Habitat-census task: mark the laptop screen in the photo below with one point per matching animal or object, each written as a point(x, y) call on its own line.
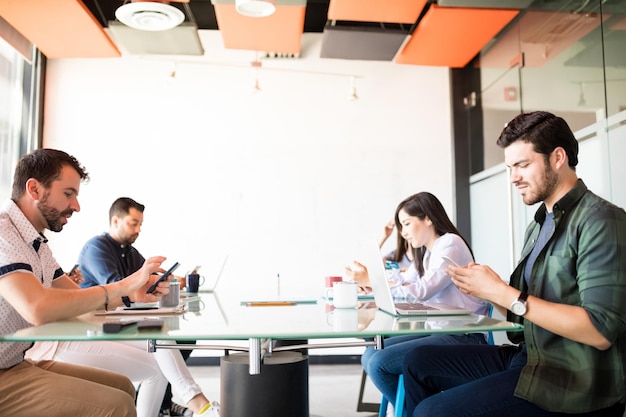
point(371, 257)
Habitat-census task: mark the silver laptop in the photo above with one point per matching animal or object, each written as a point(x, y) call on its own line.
point(373, 260)
point(217, 279)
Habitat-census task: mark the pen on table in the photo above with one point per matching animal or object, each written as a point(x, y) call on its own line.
point(270, 303)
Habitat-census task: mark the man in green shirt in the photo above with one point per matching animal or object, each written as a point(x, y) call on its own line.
point(569, 291)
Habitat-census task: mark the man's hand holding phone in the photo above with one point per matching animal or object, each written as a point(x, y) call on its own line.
point(139, 281)
point(162, 278)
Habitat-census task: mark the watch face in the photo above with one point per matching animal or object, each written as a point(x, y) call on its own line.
point(518, 308)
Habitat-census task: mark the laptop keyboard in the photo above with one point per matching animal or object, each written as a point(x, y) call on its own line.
point(414, 306)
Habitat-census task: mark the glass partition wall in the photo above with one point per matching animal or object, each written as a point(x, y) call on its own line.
point(566, 57)
point(20, 81)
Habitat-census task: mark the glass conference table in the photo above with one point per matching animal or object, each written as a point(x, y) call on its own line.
point(208, 318)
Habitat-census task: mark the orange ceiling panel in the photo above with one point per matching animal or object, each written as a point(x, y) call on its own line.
point(387, 11)
point(281, 32)
point(451, 37)
point(59, 28)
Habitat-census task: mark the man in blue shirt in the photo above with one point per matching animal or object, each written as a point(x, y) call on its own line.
point(111, 256)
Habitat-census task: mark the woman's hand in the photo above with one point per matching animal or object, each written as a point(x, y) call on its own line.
point(358, 273)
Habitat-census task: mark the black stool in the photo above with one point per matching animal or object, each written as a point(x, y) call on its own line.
point(281, 389)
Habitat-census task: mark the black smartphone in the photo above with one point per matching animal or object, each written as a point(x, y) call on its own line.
point(162, 278)
point(72, 270)
point(141, 308)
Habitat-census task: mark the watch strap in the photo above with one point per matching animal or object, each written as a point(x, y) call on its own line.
point(523, 296)
point(126, 301)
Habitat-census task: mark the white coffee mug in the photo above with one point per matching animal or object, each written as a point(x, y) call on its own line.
point(343, 294)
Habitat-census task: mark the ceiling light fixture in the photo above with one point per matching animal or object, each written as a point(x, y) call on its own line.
point(255, 8)
point(149, 16)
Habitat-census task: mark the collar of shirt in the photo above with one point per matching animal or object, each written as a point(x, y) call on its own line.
point(38, 241)
point(564, 204)
point(25, 228)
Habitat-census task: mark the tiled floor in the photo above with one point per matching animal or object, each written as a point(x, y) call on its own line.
point(333, 389)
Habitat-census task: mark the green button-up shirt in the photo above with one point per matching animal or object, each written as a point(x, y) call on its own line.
point(583, 264)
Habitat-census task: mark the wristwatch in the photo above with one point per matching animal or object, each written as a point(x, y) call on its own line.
point(518, 307)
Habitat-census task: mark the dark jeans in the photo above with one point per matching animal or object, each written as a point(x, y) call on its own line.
point(476, 380)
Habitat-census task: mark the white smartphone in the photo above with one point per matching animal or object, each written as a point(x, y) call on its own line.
point(450, 261)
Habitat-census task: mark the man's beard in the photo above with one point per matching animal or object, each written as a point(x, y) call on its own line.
point(545, 188)
point(129, 239)
point(53, 216)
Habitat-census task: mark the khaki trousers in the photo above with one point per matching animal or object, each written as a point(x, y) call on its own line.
point(54, 389)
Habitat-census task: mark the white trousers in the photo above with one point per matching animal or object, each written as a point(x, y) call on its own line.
point(131, 358)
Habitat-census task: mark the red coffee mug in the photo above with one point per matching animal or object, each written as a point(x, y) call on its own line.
point(330, 280)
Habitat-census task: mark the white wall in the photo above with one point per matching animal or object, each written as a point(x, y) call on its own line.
point(288, 180)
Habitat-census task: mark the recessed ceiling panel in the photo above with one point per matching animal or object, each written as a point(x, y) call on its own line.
point(280, 33)
point(60, 29)
point(385, 11)
point(451, 37)
point(361, 43)
point(181, 40)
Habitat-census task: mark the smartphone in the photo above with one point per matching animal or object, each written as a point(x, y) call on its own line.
point(162, 278)
point(72, 270)
point(450, 261)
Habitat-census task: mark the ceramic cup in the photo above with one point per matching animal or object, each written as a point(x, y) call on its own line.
point(172, 298)
point(343, 294)
point(194, 281)
point(330, 280)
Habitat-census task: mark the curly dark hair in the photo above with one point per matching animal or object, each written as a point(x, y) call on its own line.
point(545, 131)
point(45, 166)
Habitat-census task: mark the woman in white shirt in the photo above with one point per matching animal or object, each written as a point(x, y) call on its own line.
point(423, 223)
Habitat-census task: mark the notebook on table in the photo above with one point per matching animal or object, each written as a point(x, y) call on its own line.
point(372, 259)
